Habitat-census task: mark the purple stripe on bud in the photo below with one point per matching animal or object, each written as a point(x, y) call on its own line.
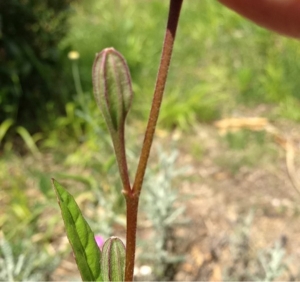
point(112, 87)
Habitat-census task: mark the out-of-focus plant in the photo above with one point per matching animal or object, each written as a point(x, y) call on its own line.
point(24, 263)
point(240, 249)
point(31, 61)
point(266, 265)
point(273, 261)
point(165, 251)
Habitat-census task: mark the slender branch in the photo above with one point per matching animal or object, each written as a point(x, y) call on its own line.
point(174, 12)
point(132, 198)
point(119, 146)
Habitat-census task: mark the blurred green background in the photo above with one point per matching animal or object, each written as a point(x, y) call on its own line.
point(222, 66)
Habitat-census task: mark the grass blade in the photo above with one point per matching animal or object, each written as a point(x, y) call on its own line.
point(4, 126)
point(28, 140)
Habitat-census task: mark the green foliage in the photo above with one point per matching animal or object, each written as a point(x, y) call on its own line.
point(240, 139)
point(268, 264)
point(160, 204)
point(4, 127)
point(31, 70)
point(25, 262)
point(26, 201)
point(219, 63)
point(81, 237)
point(183, 109)
point(246, 148)
point(28, 139)
point(103, 190)
point(273, 262)
point(220, 60)
point(16, 209)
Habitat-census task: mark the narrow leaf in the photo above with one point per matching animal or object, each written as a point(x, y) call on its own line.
point(27, 138)
point(4, 126)
point(80, 235)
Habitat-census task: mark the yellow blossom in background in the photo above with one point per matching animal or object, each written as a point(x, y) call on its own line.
point(73, 55)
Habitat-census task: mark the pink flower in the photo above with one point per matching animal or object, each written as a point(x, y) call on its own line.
point(99, 240)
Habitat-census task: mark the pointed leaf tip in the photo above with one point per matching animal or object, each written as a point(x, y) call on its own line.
point(80, 235)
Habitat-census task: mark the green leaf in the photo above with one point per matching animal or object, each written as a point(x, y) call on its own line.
point(28, 140)
point(4, 126)
point(80, 235)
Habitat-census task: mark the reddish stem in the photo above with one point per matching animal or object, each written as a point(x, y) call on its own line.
point(131, 215)
point(120, 152)
point(174, 12)
point(132, 198)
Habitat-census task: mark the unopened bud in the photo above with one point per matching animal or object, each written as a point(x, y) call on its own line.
point(113, 260)
point(112, 87)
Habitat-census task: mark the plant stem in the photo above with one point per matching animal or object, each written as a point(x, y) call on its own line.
point(132, 198)
point(132, 203)
point(120, 152)
point(174, 12)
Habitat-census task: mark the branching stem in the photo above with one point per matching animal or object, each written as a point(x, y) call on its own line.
point(132, 198)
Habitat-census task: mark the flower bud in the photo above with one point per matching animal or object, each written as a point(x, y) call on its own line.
point(113, 260)
point(112, 87)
